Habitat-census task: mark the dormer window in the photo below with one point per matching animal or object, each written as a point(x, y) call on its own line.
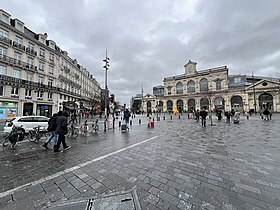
point(19, 26)
point(5, 18)
point(42, 40)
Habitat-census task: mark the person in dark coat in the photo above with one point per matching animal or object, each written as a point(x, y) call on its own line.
point(61, 131)
point(51, 129)
point(266, 113)
point(126, 117)
point(203, 115)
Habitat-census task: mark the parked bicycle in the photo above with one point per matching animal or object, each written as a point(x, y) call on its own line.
point(95, 127)
point(73, 131)
point(37, 133)
point(16, 134)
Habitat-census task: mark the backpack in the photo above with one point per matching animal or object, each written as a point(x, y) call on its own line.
point(52, 124)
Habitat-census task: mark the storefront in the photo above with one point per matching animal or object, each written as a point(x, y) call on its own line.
point(8, 110)
point(44, 110)
point(27, 108)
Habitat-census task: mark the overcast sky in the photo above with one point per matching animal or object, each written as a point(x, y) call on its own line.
point(148, 40)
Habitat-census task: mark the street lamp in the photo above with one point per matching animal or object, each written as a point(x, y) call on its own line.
point(106, 67)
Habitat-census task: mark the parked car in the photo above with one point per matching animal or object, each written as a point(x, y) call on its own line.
point(27, 122)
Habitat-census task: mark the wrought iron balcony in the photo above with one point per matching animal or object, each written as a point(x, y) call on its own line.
point(5, 40)
point(18, 63)
point(18, 46)
point(67, 70)
point(31, 51)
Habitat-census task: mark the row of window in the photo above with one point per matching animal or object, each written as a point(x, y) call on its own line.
point(28, 93)
point(18, 41)
point(40, 94)
point(203, 84)
point(30, 60)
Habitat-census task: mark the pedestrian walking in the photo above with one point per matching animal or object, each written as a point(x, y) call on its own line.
point(203, 115)
point(197, 115)
point(51, 129)
point(126, 116)
point(61, 131)
point(247, 115)
point(149, 118)
point(266, 114)
point(228, 115)
point(236, 118)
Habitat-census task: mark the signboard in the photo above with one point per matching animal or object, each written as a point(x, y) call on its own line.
point(11, 113)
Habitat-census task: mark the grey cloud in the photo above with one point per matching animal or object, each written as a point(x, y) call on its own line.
point(149, 40)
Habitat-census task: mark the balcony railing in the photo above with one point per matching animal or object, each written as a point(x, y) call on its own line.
point(18, 46)
point(17, 62)
point(36, 85)
point(5, 40)
point(31, 51)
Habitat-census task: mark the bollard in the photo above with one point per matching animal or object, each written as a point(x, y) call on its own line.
point(179, 117)
point(120, 124)
point(113, 123)
point(170, 117)
point(163, 117)
point(139, 121)
point(130, 123)
point(105, 126)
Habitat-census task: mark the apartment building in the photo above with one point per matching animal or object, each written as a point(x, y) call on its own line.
point(36, 76)
point(214, 88)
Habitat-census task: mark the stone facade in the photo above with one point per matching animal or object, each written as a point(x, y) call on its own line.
point(212, 89)
point(36, 76)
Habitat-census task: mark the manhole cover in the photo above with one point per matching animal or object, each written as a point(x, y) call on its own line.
point(126, 200)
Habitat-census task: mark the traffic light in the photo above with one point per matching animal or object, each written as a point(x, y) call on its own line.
point(112, 98)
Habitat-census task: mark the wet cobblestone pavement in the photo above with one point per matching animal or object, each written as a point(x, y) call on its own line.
point(176, 165)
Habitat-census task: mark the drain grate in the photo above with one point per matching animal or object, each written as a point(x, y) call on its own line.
point(126, 200)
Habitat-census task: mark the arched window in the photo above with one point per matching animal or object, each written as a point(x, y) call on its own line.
point(191, 104)
point(169, 106)
point(180, 106)
point(191, 86)
point(179, 88)
point(203, 85)
point(204, 103)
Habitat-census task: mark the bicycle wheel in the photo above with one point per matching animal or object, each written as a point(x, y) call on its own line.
point(96, 129)
point(32, 136)
point(75, 132)
point(6, 140)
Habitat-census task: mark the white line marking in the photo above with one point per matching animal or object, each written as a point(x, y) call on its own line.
point(73, 168)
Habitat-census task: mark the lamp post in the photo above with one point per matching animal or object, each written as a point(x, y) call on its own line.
point(106, 67)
